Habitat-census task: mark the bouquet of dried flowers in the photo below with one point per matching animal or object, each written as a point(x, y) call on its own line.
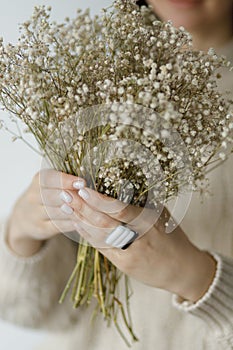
point(124, 101)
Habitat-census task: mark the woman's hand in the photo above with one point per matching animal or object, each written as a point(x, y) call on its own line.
point(37, 215)
point(167, 261)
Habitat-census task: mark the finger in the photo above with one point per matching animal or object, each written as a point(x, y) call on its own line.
point(117, 236)
point(96, 224)
point(113, 254)
point(64, 212)
point(92, 216)
point(94, 236)
point(108, 205)
point(84, 234)
point(98, 233)
point(49, 228)
point(135, 216)
point(53, 197)
point(62, 226)
point(78, 208)
point(55, 179)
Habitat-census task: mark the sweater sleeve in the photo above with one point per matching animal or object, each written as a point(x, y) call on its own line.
point(215, 308)
point(31, 287)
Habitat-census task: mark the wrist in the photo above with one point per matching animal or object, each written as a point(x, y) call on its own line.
point(198, 273)
point(20, 244)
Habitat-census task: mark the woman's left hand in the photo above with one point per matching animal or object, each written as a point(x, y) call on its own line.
point(167, 261)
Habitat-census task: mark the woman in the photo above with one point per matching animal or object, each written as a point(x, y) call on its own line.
point(36, 261)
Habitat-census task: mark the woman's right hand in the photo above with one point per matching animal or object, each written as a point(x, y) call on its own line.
point(37, 215)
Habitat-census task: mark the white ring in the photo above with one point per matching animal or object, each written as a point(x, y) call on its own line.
point(121, 236)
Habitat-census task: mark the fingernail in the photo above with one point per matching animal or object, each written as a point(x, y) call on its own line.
point(78, 184)
point(66, 209)
point(83, 194)
point(66, 197)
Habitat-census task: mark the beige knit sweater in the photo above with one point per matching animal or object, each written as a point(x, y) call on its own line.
point(30, 287)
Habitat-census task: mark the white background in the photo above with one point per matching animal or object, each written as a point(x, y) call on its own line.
point(18, 162)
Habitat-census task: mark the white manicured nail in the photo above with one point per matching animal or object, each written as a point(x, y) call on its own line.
point(78, 184)
point(66, 209)
point(83, 194)
point(66, 197)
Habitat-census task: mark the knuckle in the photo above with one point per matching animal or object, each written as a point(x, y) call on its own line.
point(52, 228)
point(32, 197)
point(43, 227)
point(63, 179)
point(36, 177)
point(78, 205)
point(45, 197)
point(101, 221)
point(35, 181)
point(120, 215)
point(57, 226)
point(66, 226)
point(48, 177)
point(48, 212)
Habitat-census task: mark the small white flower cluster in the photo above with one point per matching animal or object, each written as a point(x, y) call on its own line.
point(57, 72)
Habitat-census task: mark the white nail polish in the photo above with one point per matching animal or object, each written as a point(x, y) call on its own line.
point(66, 209)
point(78, 184)
point(66, 197)
point(83, 194)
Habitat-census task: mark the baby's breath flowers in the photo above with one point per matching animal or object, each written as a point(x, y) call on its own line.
point(123, 100)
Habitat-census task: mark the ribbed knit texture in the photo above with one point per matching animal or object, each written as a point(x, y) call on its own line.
point(25, 298)
point(215, 308)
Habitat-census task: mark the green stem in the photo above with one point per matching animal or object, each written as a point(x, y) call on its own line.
point(68, 285)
